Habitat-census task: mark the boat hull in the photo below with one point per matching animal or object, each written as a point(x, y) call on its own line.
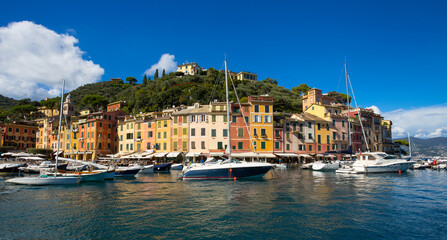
point(319, 166)
point(227, 173)
point(126, 172)
point(41, 181)
point(163, 167)
point(177, 167)
point(388, 168)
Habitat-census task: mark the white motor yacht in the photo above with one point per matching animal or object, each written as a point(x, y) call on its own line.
point(326, 165)
point(377, 162)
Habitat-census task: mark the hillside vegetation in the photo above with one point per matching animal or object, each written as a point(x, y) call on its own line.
point(174, 90)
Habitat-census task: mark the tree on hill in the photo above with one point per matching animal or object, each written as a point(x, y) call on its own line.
point(301, 89)
point(94, 102)
point(156, 74)
point(402, 142)
point(145, 79)
point(24, 110)
point(339, 97)
point(164, 73)
point(131, 80)
point(270, 80)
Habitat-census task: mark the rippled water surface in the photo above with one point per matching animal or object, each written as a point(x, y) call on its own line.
point(289, 204)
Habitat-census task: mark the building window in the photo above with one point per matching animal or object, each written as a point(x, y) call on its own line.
point(175, 146)
point(175, 131)
point(193, 145)
point(99, 146)
point(225, 132)
point(193, 132)
point(234, 119)
point(262, 145)
point(310, 148)
point(287, 147)
point(184, 144)
point(310, 136)
point(319, 148)
point(202, 143)
point(203, 131)
point(263, 133)
point(240, 132)
point(309, 124)
point(256, 108)
point(225, 118)
point(246, 119)
point(328, 139)
point(319, 138)
point(185, 131)
point(164, 135)
point(164, 146)
point(267, 108)
point(276, 145)
point(240, 145)
point(213, 118)
point(219, 145)
point(213, 132)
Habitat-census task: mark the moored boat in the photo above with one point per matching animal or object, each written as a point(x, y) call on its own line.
point(325, 166)
point(177, 166)
point(165, 167)
point(376, 162)
point(40, 181)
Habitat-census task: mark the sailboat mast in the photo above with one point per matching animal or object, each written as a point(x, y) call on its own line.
point(228, 111)
point(349, 103)
point(59, 129)
point(409, 143)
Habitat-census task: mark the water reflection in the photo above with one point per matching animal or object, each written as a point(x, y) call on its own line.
point(292, 204)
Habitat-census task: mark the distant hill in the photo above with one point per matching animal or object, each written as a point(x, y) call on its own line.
point(6, 103)
point(430, 146)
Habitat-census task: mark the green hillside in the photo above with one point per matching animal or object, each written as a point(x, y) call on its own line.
point(174, 90)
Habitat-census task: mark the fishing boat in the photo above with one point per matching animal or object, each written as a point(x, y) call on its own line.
point(230, 168)
point(49, 180)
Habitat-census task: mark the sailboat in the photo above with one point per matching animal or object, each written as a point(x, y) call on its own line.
point(374, 162)
point(334, 165)
point(230, 168)
point(49, 180)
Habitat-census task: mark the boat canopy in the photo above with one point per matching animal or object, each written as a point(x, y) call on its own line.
point(286, 154)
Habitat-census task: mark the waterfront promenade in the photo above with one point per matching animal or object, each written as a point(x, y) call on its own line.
point(296, 204)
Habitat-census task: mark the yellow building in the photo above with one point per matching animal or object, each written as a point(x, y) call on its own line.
point(189, 68)
point(71, 139)
point(126, 135)
point(247, 76)
point(163, 130)
point(47, 112)
point(261, 123)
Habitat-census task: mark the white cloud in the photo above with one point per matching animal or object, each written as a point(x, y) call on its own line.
point(166, 62)
point(35, 59)
point(375, 109)
point(424, 122)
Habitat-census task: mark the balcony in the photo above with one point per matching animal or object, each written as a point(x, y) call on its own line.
point(278, 136)
point(263, 135)
point(138, 140)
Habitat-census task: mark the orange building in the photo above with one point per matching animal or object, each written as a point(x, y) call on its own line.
point(21, 135)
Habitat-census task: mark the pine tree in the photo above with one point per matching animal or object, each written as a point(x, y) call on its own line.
point(164, 73)
point(145, 79)
point(156, 74)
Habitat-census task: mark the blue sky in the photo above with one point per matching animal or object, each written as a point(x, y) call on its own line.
point(396, 50)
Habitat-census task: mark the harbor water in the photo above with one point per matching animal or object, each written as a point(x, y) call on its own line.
point(286, 204)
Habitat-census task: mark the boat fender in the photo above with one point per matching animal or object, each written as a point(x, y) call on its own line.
point(235, 178)
point(231, 170)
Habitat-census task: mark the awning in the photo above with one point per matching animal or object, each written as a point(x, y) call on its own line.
point(32, 158)
point(160, 154)
point(320, 155)
point(304, 155)
point(217, 154)
point(7, 154)
point(267, 155)
point(192, 154)
point(147, 152)
point(331, 156)
point(172, 154)
point(245, 154)
point(286, 154)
